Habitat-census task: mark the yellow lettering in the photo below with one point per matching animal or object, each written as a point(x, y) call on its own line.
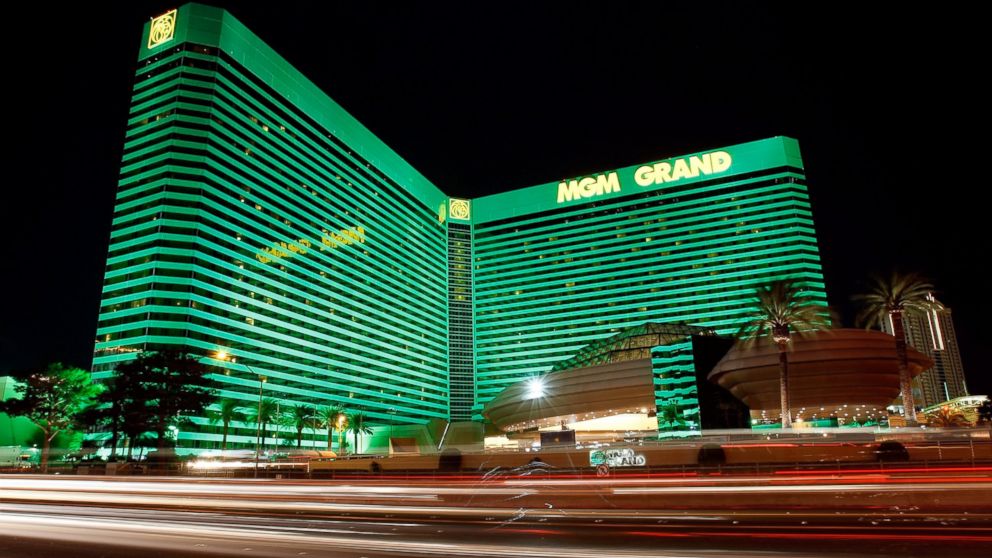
point(688, 167)
point(700, 165)
point(588, 187)
point(608, 183)
point(303, 245)
point(643, 176)
point(568, 191)
point(721, 161)
point(661, 171)
point(680, 170)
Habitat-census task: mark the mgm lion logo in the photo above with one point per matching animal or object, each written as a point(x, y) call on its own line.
point(458, 209)
point(162, 29)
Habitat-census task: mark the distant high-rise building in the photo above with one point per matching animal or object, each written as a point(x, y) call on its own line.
point(932, 333)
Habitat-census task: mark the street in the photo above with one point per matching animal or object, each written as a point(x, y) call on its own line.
point(912, 512)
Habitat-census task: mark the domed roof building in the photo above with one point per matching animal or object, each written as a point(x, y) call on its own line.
point(850, 374)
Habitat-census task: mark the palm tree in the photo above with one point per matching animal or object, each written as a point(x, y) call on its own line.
point(358, 424)
point(329, 416)
point(227, 412)
point(266, 413)
point(947, 417)
point(781, 308)
point(299, 417)
point(892, 297)
point(671, 415)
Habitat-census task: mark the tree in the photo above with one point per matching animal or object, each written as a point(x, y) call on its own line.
point(173, 385)
point(299, 417)
point(329, 417)
point(780, 309)
point(947, 417)
point(358, 425)
point(227, 411)
point(672, 415)
point(52, 400)
point(120, 408)
point(266, 413)
point(893, 297)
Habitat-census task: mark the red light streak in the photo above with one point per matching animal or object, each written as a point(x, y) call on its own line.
point(821, 536)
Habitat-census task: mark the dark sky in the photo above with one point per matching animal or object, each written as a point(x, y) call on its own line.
point(484, 98)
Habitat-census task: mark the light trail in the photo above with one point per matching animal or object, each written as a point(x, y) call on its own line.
point(147, 534)
point(520, 517)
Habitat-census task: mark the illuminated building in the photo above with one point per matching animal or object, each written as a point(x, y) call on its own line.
point(683, 240)
point(254, 216)
point(932, 333)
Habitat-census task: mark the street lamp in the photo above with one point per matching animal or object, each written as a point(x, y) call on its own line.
point(389, 439)
point(342, 422)
point(313, 434)
point(258, 422)
point(222, 355)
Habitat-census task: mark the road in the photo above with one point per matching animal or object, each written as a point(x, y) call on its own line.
point(913, 512)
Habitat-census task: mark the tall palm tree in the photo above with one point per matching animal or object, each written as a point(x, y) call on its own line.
point(358, 425)
point(227, 411)
point(893, 297)
point(673, 416)
point(329, 416)
point(780, 309)
point(299, 417)
point(266, 413)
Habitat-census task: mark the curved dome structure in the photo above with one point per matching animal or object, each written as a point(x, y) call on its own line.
point(612, 377)
point(574, 395)
point(835, 372)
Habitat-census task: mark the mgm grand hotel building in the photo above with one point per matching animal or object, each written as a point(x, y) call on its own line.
point(261, 226)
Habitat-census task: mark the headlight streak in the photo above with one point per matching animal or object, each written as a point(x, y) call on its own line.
point(149, 535)
point(144, 513)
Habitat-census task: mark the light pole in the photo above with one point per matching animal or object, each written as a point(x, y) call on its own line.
point(258, 427)
point(389, 439)
point(313, 433)
point(222, 355)
point(342, 422)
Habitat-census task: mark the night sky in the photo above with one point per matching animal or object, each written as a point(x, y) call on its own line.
point(486, 98)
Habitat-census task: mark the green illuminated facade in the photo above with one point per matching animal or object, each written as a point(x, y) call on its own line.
point(682, 240)
point(257, 218)
point(254, 216)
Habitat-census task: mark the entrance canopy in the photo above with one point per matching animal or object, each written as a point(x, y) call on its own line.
point(613, 377)
point(574, 395)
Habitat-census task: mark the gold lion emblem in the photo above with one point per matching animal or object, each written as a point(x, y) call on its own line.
point(458, 209)
point(162, 29)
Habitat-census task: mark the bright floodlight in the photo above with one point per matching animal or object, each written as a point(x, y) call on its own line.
point(535, 388)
